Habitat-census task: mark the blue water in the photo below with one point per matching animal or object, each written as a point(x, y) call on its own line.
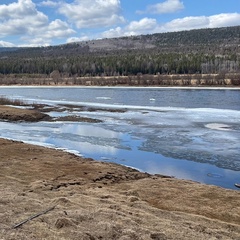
point(187, 133)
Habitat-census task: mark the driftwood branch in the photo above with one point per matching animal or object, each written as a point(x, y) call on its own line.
point(34, 216)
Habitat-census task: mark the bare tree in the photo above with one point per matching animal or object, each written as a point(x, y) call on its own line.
point(55, 75)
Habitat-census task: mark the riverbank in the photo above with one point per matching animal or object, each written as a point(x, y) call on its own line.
point(69, 197)
point(145, 80)
point(96, 200)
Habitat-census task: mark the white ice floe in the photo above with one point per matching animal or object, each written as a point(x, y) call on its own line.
point(218, 126)
point(104, 98)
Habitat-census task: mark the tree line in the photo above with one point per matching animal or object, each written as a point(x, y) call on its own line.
point(204, 51)
point(124, 64)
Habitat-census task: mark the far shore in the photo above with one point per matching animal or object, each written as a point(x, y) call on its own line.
point(198, 80)
point(119, 86)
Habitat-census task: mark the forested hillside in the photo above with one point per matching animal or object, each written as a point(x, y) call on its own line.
point(204, 51)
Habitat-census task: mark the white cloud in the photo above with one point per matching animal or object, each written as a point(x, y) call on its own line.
point(77, 39)
point(6, 44)
point(92, 13)
point(113, 32)
point(23, 19)
point(35, 42)
point(133, 28)
point(187, 23)
point(224, 20)
point(49, 3)
point(20, 17)
point(25, 23)
point(149, 25)
point(169, 6)
point(144, 24)
point(16, 9)
point(56, 29)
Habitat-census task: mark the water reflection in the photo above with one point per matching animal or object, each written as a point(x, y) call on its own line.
point(104, 144)
point(88, 130)
point(82, 148)
point(162, 136)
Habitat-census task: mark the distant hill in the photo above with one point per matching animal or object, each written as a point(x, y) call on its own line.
point(8, 49)
point(204, 37)
point(224, 37)
point(196, 51)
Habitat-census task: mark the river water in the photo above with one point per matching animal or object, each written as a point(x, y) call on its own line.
point(188, 133)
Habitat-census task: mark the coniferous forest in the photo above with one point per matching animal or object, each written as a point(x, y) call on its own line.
point(199, 52)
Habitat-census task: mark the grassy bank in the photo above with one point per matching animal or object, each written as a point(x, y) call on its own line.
point(96, 200)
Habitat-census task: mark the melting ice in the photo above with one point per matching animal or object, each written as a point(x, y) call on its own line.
point(195, 143)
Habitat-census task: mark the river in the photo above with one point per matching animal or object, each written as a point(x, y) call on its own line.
point(188, 133)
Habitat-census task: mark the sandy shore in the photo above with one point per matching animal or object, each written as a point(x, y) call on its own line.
point(88, 199)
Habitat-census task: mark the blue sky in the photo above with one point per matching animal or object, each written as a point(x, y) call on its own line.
point(47, 22)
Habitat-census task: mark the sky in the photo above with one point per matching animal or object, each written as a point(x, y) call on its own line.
point(46, 22)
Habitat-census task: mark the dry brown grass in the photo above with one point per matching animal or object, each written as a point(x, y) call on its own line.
point(7, 101)
point(97, 200)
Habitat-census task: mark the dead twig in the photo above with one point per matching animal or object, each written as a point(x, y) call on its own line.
point(32, 217)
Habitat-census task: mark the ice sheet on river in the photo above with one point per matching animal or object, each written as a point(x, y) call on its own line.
point(205, 135)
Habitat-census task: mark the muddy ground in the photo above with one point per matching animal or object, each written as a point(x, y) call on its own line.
point(64, 196)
